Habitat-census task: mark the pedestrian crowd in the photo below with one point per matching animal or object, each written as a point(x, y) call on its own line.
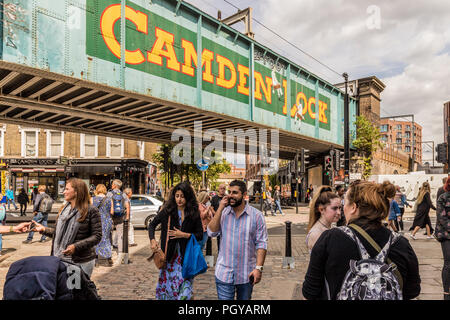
point(354, 236)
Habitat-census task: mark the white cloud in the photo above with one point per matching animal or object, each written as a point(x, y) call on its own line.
point(409, 53)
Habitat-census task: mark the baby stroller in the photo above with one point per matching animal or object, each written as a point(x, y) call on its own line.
point(47, 278)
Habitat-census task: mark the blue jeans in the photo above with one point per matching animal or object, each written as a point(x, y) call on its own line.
point(1, 243)
point(227, 291)
point(9, 203)
point(205, 238)
point(277, 206)
point(40, 218)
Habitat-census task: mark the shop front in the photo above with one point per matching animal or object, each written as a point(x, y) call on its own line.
point(30, 173)
point(132, 172)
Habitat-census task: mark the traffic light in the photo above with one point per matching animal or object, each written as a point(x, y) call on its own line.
point(441, 150)
point(338, 163)
point(328, 165)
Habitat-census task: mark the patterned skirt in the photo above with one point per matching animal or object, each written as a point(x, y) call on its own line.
point(171, 285)
point(104, 248)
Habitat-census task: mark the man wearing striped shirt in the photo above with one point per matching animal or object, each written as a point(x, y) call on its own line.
point(243, 244)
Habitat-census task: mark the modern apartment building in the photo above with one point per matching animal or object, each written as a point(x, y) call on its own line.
point(402, 136)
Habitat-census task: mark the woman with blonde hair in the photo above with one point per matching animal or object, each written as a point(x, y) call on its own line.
point(78, 227)
point(366, 206)
point(104, 248)
point(422, 218)
point(325, 208)
point(206, 213)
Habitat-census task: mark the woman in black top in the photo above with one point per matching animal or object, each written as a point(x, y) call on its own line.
point(366, 205)
point(422, 217)
point(182, 207)
point(23, 200)
point(443, 235)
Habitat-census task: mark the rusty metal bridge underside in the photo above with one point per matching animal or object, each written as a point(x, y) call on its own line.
point(38, 98)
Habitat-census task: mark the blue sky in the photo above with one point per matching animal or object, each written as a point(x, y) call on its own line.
point(405, 44)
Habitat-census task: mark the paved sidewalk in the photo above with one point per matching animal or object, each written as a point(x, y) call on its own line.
point(137, 280)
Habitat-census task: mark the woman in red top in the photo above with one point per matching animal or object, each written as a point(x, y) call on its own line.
point(206, 213)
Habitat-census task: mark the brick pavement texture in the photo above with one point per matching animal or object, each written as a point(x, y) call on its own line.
point(137, 281)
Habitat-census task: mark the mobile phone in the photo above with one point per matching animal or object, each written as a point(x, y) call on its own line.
point(32, 225)
point(252, 279)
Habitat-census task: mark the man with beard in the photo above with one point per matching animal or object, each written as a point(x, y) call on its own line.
point(215, 201)
point(243, 244)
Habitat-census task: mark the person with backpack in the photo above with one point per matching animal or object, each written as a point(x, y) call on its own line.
point(120, 211)
point(104, 248)
point(78, 228)
point(23, 201)
point(42, 207)
point(363, 260)
point(442, 234)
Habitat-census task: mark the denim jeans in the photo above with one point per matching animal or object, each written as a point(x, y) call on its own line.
point(277, 206)
point(227, 291)
point(205, 238)
point(9, 203)
point(40, 218)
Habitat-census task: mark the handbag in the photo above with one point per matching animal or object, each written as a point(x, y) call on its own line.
point(193, 263)
point(158, 256)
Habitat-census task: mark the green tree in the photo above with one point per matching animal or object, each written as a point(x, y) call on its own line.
point(173, 174)
point(367, 142)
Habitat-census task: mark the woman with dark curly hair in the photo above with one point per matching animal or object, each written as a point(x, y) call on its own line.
point(182, 208)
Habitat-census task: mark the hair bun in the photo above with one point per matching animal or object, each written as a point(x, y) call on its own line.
point(387, 189)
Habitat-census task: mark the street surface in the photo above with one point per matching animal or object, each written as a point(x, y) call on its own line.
point(137, 281)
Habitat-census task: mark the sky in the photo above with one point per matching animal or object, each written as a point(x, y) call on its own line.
point(405, 44)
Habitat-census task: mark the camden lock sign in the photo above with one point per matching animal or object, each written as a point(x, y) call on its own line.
point(167, 49)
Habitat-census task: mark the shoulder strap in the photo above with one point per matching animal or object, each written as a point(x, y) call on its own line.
point(362, 250)
point(382, 253)
point(101, 202)
point(167, 237)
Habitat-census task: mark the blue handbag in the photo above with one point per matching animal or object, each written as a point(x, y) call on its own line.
point(193, 263)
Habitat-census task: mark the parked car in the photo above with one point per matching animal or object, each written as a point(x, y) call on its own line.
point(143, 209)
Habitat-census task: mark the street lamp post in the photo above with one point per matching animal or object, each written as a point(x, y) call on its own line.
point(346, 134)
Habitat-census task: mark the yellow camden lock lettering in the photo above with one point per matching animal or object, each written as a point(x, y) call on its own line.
point(163, 47)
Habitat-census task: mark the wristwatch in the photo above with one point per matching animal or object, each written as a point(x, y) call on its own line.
point(260, 268)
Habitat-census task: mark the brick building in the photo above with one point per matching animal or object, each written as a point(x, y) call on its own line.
point(33, 156)
point(400, 134)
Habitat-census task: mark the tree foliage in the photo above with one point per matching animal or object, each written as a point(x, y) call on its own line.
point(367, 142)
point(173, 174)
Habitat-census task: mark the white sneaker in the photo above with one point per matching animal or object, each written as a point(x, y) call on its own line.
point(429, 237)
point(412, 236)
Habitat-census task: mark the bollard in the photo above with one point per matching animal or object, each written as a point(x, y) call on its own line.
point(209, 258)
point(288, 260)
point(125, 241)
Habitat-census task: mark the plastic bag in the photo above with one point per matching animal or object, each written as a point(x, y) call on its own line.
point(193, 263)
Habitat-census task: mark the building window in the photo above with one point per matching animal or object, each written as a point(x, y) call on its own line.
point(114, 148)
point(408, 127)
point(399, 141)
point(399, 135)
point(407, 135)
point(408, 149)
point(2, 140)
point(55, 143)
point(384, 128)
point(399, 127)
point(88, 146)
point(30, 142)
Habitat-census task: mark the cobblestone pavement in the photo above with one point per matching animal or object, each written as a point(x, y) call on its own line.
point(137, 281)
